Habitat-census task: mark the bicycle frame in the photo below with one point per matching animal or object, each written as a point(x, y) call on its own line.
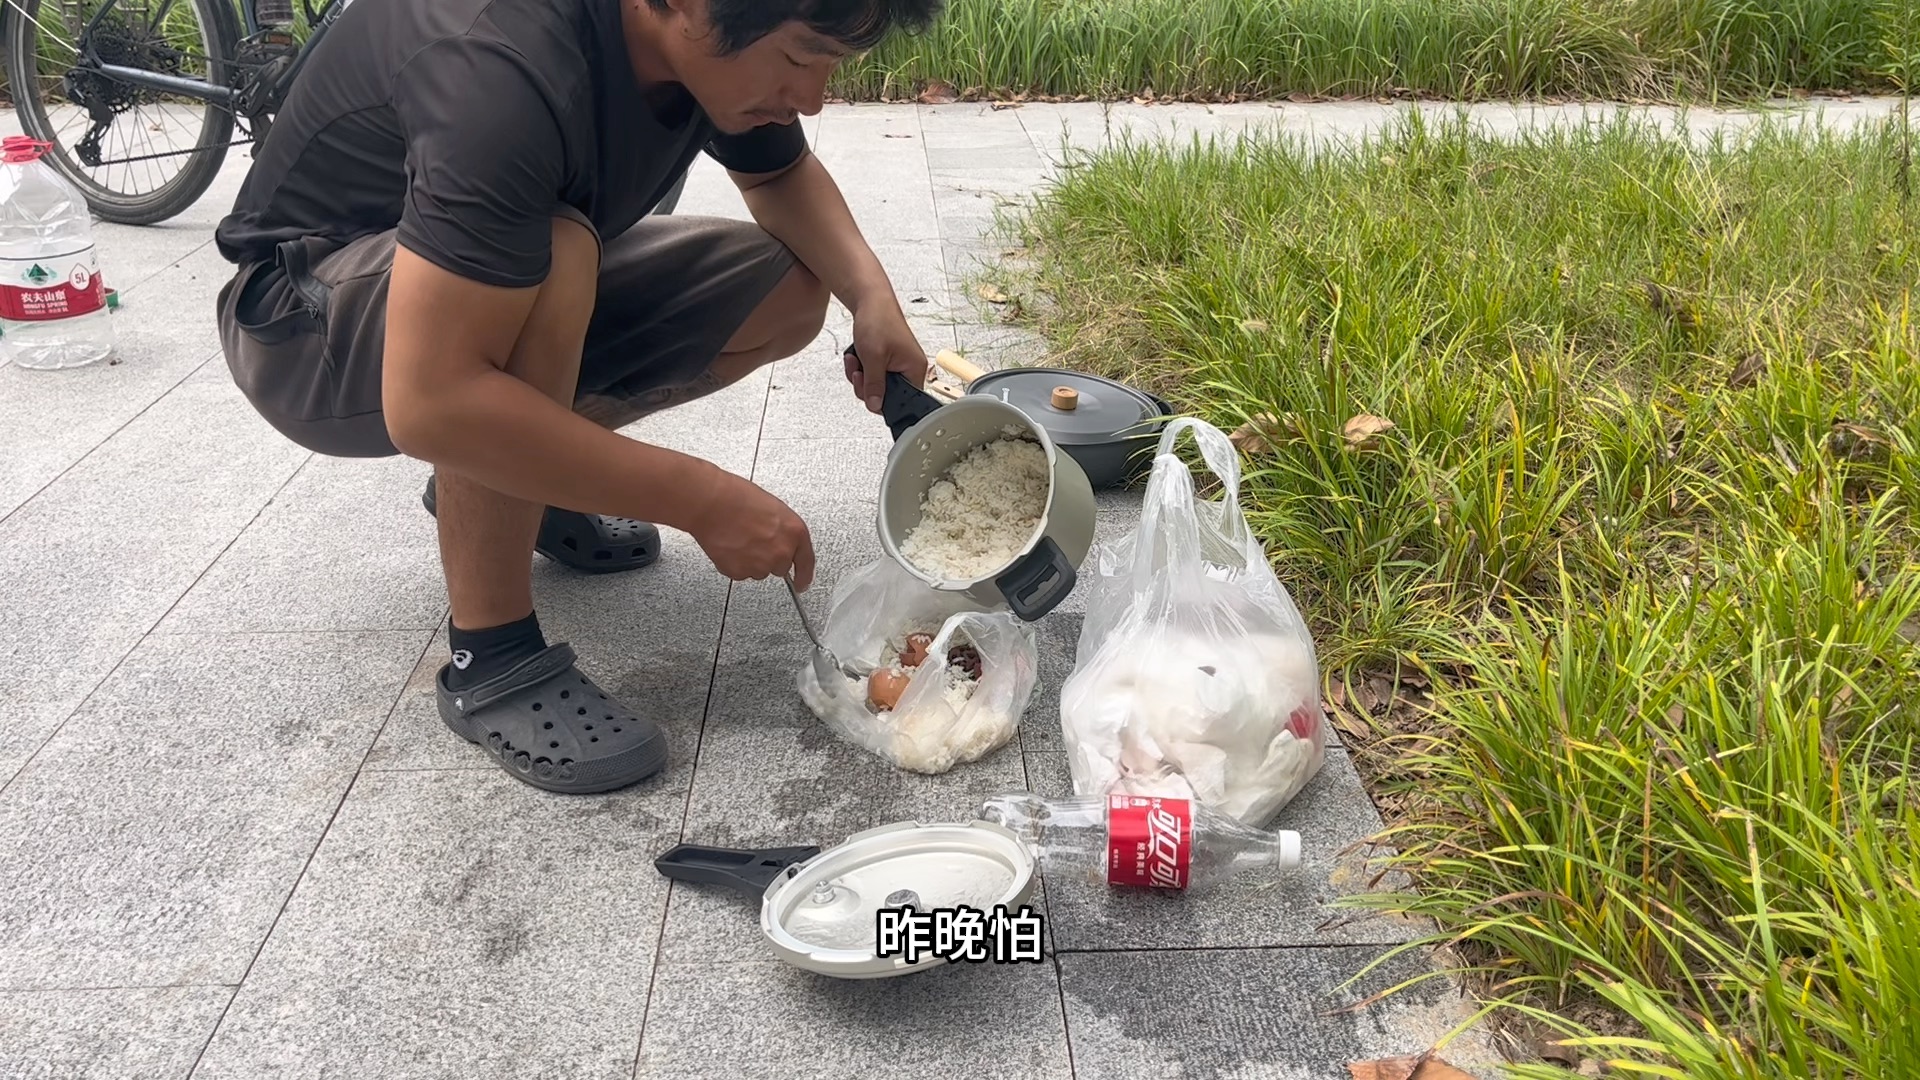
point(225, 96)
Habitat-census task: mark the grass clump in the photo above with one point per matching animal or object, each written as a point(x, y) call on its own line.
point(1641, 533)
point(1459, 49)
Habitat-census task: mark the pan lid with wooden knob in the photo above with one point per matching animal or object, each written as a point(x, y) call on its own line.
point(1077, 409)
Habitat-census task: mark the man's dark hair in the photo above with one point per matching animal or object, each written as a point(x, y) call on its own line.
point(857, 24)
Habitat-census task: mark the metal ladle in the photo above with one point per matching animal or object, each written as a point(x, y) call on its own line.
point(851, 669)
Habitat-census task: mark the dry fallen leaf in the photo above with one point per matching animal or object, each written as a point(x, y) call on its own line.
point(1405, 1068)
point(1001, 106)
point(1381, 688)
point(1557, 1052)
point(1669, 303)
point(1363, 431)
point(993, 294)
point(1856, 442)
point(938, 92)
point(1256, 436)
point(1746, 372)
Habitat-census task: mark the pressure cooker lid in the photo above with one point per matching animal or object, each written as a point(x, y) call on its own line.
point(825, 915)
point(1077, 409)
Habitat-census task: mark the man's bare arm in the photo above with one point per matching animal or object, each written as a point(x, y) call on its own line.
point(450, 401)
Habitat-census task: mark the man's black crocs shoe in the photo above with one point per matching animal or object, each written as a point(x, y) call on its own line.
point(552, 727)
point(591, 543)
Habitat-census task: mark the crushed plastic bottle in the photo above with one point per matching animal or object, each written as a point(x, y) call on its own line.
point(53, 304)
point(1142, 841)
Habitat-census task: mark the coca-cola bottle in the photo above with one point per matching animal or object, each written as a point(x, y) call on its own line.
point(1141, 841)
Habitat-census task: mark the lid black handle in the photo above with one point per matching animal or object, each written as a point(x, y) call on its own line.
point(749, 871)
point(904, 404)
point(1038, 583)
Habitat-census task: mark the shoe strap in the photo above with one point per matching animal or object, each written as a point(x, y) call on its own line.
point(543, 666)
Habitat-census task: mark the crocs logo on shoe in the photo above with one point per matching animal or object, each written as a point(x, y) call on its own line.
point(461, 659)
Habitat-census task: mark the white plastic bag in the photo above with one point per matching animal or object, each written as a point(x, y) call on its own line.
point(1196, 676)
point(942, 719)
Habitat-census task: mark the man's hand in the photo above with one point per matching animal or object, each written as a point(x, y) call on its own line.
point(750, 534)
point(883, 342)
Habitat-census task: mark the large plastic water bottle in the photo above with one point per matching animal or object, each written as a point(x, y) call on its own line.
point(53, 305)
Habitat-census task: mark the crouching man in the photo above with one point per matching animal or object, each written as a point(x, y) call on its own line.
point(445, 251)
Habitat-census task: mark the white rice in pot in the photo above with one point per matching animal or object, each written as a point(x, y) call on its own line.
point(980, 514)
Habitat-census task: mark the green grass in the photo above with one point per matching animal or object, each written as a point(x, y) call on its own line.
point(1668, 611)
point(1459, 49)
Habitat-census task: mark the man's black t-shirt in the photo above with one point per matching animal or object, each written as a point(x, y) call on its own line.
point(465, 123)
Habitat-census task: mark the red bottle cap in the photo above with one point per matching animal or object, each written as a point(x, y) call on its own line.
point(19, 149)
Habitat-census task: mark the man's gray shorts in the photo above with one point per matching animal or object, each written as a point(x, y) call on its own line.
point(304, 334)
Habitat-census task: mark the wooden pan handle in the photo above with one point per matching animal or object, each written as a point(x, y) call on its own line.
point(958, 366)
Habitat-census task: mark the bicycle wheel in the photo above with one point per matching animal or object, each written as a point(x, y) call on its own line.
point(138, 155)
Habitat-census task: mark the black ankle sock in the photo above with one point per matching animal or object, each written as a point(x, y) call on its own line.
point(479, 655)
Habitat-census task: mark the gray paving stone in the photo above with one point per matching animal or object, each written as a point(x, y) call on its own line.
point(811, 401)
point(1332, 814)
point(131, 255)
point(777, 784)
point(155, 837)
point(880, 163)
point(1255, 1014)
point(346, 545)
point(460, 924)
point(95, 559)
point(770, 1020)
point(142, 1034)
point(50, 420)
point(54, 660)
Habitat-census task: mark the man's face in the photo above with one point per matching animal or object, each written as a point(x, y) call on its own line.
point(775, 80)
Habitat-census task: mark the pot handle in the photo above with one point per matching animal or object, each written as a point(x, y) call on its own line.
point(743, 870)
point(1039, 582)
point(903, 404)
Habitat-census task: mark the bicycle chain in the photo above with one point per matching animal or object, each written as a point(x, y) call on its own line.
point(172, 153)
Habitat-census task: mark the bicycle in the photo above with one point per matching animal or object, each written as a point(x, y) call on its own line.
point(249, 54)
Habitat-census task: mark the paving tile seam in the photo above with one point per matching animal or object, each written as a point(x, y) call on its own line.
point(693, 774)
point(24, 990)
point(197, 249)
point(330, 631)
point(399, 695)
point(91, 450)
point(1320, 946)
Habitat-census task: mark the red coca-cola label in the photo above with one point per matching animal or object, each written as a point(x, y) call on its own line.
point(1149, 841)
point(53, 287)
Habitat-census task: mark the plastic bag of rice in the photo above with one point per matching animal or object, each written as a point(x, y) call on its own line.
point(952, 678)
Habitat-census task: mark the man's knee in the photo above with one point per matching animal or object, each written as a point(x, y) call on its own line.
point(800, 311)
